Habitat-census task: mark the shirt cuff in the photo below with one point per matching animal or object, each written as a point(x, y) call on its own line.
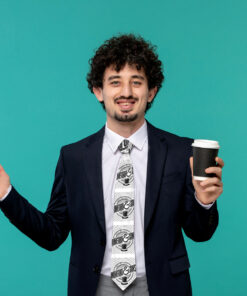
point(207, 207)
point(9, 189)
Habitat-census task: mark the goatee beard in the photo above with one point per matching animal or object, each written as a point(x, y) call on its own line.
point(125, 118)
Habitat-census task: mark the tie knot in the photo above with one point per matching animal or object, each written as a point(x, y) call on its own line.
point(125, 146)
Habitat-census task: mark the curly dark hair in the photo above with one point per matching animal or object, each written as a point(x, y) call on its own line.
point(122, 49)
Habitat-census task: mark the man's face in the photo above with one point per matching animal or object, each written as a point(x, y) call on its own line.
point(125, 93)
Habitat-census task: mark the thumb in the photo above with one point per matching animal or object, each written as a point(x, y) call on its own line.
point(191, 165)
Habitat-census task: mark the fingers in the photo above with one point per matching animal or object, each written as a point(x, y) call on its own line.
point(213, 185)
point(211, 181)
point(215, 170)
point(220, 161)
point(2, 169)
point(213, 189)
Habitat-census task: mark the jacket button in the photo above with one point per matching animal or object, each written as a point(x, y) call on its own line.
point(102, 242)
point(96, 269)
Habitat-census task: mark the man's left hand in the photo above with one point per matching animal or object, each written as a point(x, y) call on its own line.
point(209, 190)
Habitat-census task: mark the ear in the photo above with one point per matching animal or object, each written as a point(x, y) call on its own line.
point(98, 93)
point(151, 93)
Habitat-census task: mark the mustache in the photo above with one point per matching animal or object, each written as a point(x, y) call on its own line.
point(125, 98)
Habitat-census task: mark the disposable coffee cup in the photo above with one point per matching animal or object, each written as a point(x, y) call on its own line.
point(204, 154)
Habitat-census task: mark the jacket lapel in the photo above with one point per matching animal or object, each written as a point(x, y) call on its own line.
point(157, 152)
point(93, 165)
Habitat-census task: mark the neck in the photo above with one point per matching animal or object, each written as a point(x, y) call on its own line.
point(125, 129)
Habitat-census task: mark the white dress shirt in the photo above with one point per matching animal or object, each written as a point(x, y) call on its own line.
point(110, 158)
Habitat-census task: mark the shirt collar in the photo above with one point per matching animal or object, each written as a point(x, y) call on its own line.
point(138, 139)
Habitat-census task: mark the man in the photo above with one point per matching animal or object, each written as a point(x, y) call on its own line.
point(125, 192)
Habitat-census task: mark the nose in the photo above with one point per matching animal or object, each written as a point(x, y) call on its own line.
point(126, 90)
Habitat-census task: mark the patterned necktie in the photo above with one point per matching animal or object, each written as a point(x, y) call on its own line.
point(123, 267)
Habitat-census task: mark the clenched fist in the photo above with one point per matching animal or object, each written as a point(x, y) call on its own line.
point(4, 182)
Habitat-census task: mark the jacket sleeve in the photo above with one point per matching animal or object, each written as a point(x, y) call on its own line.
point(49, 229)
point(198, 223)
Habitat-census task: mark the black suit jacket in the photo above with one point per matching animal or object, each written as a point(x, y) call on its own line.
point(77, 205)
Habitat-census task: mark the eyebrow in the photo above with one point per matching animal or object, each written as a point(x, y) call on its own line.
point(118, 76)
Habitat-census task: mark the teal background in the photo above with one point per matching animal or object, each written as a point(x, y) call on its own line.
point(45, 103)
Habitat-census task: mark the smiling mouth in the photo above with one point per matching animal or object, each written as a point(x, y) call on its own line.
point(126, 105)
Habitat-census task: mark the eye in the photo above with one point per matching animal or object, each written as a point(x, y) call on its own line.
point(115, 82)
point(137, 83)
